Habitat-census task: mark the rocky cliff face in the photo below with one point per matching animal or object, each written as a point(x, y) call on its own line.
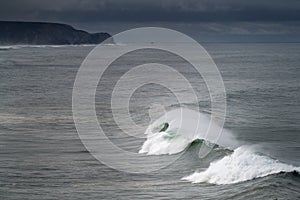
point(40, 33)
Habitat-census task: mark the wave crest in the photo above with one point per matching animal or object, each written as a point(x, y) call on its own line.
point(183, 127)
point(242, 165)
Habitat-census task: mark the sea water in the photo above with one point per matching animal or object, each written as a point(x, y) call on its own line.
point(258, 157)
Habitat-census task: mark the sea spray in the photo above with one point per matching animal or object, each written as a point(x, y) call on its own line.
point(242, 165)
point(185, 126)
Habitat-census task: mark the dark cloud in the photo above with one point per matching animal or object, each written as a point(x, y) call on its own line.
point(152, 10)
point(228, 20)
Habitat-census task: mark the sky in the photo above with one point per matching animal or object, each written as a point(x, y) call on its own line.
point(220, 20)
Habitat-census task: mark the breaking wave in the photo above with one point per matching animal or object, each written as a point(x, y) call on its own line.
point(242, 165)
point(184, 127)
point(176, 130)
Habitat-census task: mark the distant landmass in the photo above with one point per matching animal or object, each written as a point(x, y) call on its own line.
point(42, 33)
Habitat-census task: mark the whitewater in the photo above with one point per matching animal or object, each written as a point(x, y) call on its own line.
point(186, 126)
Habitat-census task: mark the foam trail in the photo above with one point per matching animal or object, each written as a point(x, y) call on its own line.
point(8, 47)
point(185, 126)
point(242, 165)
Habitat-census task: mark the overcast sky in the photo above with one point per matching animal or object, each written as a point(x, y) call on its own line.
point(240, 17)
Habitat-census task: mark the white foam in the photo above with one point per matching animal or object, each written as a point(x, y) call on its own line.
point(242, 165)
point(7, 47)
point(185, 126)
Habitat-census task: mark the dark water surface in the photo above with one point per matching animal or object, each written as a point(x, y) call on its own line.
point(42, 157)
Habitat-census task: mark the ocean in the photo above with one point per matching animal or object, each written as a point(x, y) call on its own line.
point(258, 157)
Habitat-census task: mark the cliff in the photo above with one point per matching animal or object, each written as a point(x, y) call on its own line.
point(41, 33)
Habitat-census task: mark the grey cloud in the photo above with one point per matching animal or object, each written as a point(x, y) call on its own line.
point(154, 10)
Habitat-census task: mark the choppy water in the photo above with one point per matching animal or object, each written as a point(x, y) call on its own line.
point(42, 156)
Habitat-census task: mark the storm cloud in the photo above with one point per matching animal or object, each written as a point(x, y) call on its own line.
point(154, 10)
point(208, 20)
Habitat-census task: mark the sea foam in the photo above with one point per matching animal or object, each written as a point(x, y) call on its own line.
point(185, 126)
point(242, 165)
